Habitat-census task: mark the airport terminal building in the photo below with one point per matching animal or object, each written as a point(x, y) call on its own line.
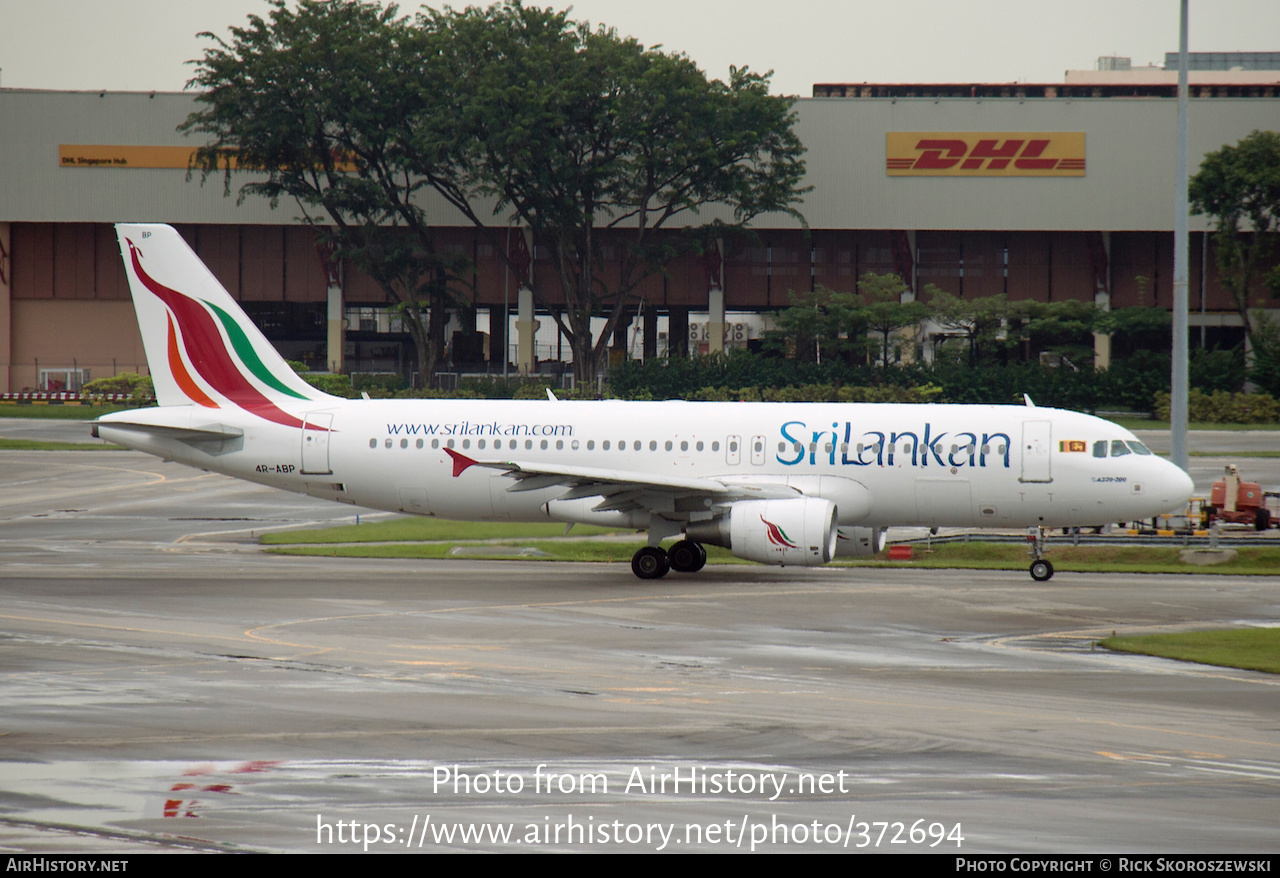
point(1040, 191)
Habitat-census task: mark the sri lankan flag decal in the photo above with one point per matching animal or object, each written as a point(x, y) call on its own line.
point(984, 154)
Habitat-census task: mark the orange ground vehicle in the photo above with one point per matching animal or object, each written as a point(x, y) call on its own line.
point(1237, 502)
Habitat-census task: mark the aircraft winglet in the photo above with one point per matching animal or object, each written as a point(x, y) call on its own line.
point(460, 462)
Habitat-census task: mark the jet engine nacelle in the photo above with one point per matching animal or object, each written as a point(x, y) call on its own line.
point(801, 531)
point(859, 542)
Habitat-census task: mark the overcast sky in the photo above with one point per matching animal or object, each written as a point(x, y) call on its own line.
point(96, 44)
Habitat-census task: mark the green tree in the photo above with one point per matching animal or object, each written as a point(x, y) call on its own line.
point(1238, 187)
point(983, 320)
point(573, 130)
point(1063, 327)
point(1265, 369)
point(818, 323)
point(885, 312)
point(323, 102)
point(1134, 329)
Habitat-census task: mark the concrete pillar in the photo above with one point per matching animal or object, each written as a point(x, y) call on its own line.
point(1102, 299)
point(526, 329)
point(336, 339)
point(909, 336)
point(715, 320)
point(6, 310)
point(1101, 340)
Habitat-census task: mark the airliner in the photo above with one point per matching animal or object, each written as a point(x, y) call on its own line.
point(778, 483)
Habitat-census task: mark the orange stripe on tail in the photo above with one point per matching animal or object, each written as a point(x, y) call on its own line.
point(180, 373)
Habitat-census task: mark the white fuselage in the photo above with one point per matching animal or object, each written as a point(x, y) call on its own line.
point(934, 465)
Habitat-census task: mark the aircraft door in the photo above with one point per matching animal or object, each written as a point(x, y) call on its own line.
point(733, 450)
point(1037, 438)
point(757, 451)
point(315, 443)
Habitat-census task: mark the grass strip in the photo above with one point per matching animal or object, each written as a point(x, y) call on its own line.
point(1253, 561)
point(1261, 561)
point(61, 412)
point(1233, 453)
point(36, 445)
point(1254, 649)
point(424, 528)
point(1146, 424)
point(597, 551)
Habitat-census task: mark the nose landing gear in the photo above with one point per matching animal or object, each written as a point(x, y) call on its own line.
point(1041, 567)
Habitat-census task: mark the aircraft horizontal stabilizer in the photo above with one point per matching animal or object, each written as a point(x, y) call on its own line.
point(203, 433)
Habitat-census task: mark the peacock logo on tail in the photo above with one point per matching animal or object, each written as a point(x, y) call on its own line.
point(194, 340)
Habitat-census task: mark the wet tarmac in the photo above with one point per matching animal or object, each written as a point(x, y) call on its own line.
point(164, 685)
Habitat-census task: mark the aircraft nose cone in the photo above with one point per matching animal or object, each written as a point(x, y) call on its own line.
point(1177, 485)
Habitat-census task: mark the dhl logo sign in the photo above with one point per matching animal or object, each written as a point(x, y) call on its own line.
point(984, 154)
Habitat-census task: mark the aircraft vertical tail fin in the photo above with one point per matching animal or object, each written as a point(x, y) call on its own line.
point(202, 349)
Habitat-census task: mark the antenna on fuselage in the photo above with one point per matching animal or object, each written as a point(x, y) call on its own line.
point(1027, 400)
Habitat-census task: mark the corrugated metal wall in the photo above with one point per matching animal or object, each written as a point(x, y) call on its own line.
point(1127, 187)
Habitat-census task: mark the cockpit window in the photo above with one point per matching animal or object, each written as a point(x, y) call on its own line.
point(1118, 448)
point(1100, 448)
point(1138, 447)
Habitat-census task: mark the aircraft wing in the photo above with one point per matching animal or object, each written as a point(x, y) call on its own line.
point(622, 490)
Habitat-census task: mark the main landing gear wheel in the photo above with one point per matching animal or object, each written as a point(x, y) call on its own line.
point(687, 556)
point(650, 563)
point(1041, 570)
